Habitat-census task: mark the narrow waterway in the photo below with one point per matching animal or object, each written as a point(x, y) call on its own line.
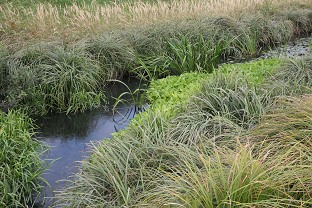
point(68, 135)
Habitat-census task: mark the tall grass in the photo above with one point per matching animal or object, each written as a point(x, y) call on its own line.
point(113, 52)
point(21, 160)
point(73, 21)
point(226, 104)
point(116, 52)
point(292, 78)
point(288, 119)
point(296, 72)
point(144, 166)
point(179, 55)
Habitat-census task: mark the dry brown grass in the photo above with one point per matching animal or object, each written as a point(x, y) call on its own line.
point(74, 22)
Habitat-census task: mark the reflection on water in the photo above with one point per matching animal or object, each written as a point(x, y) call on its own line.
point(68, 135)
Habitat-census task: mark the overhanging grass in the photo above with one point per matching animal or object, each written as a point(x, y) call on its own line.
point(118, 52)
point(223, 177)
point(50, 77)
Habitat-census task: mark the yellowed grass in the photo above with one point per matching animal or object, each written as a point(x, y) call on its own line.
point(73, 22)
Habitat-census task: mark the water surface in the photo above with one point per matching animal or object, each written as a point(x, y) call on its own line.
point(69, 135)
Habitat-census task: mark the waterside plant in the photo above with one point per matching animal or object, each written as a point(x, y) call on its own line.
point(22, 161)
point(51, 78)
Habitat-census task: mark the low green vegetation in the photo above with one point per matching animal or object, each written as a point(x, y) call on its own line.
point(21, 161)
point(171, 91)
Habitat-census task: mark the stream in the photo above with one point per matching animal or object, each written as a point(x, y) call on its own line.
point(68, 135)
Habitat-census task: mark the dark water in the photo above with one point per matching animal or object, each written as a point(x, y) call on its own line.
point(68, 135)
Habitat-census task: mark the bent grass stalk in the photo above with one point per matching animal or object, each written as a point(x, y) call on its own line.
point(137, 96)
point(225, 177)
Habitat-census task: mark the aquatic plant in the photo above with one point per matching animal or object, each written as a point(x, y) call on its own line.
point(248, 43)
point(138, 97)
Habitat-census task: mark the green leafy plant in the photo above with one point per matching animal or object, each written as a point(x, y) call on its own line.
point(179, 55)
point(22, 161)
point(248, 44)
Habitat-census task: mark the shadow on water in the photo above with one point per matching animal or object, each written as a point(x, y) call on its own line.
point(68, 135)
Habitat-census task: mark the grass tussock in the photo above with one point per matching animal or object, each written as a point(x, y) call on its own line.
point(289, 118)
point(51, 77)
point(212, 150)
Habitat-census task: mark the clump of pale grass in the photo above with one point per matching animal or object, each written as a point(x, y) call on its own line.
point(239, 177)
point(288, 120)
point(292, 78)
point(301, 19)
point(113, 53)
